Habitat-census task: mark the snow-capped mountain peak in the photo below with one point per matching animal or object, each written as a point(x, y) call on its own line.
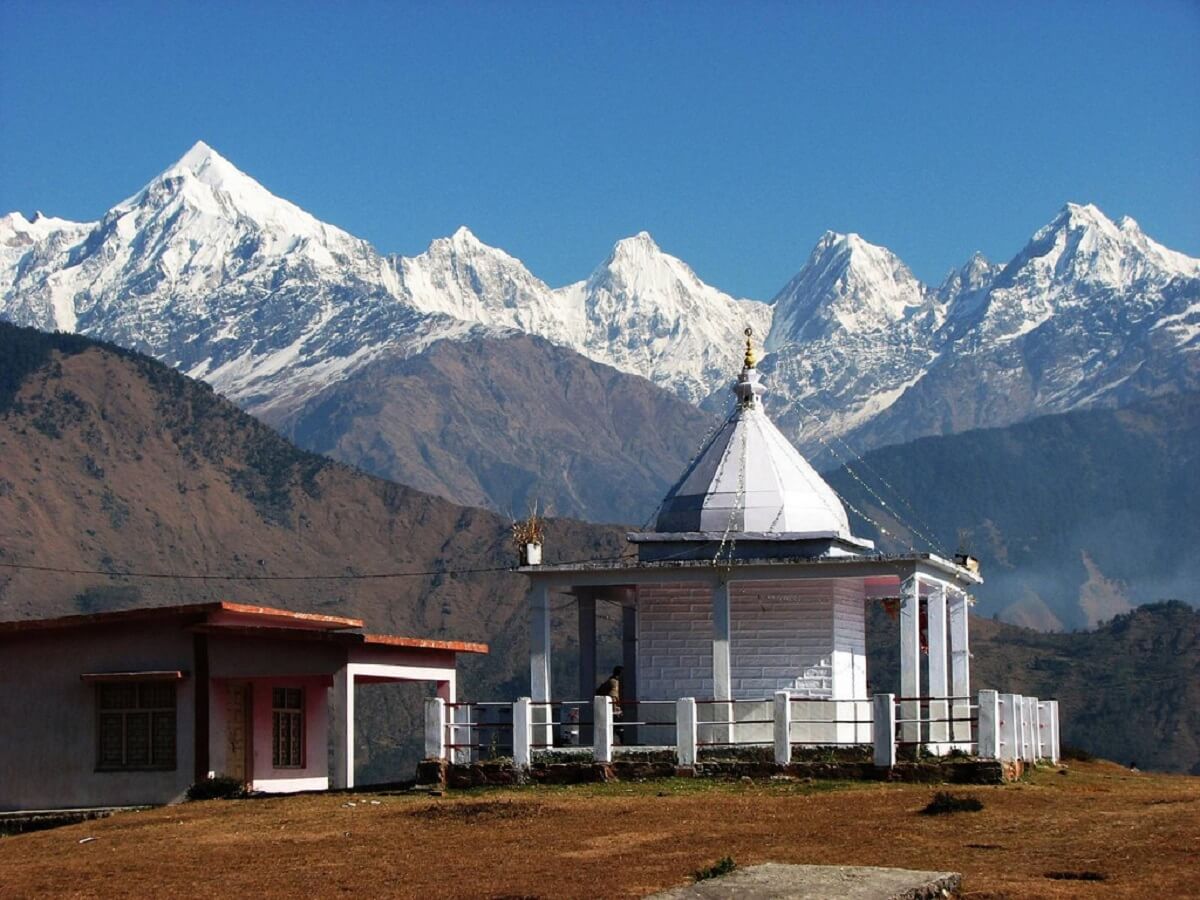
point(847, 284)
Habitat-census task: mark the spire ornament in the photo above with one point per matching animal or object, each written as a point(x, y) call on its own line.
point(750, 358)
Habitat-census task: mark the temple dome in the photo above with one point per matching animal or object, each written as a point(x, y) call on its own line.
point(749, 479)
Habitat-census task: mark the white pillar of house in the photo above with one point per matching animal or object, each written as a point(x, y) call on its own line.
point(910, 659)
point(341, 720)
point(587, 644)
point(960, 667)
point(539, 661)
point(939, 676)
point(722, 669)
point(435, 728)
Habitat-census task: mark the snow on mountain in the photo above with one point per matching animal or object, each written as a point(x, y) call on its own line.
point(1091, 312)
point(641, 311)
point(647, 312)
point(462, 277)
point(852, 330)
point(208, 271)
point(30, 244)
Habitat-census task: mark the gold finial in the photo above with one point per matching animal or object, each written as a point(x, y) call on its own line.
point(750, 359)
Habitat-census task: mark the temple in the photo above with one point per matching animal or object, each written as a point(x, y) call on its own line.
point(743, 618)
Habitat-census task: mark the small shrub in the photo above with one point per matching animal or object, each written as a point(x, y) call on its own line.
point(722, 866)
point(944, 803)
point(1078, 754)
point(1076, 876)
point(220, 788)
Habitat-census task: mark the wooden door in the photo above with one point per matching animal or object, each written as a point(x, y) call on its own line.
point(239, 731)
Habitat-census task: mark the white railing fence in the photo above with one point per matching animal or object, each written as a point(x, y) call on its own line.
point(886, 728)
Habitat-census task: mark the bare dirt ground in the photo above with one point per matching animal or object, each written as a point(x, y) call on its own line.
point(1139, 832)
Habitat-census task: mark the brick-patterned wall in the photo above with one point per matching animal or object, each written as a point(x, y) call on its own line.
point(807, 637)
point(674, 644)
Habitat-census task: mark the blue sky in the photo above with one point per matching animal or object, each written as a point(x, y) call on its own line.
point(735, 133)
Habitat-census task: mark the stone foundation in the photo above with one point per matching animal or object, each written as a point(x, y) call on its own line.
point(970, 771)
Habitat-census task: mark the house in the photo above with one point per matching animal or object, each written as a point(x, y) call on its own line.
point(132, 707)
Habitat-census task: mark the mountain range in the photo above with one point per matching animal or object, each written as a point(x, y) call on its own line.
point(208, 271)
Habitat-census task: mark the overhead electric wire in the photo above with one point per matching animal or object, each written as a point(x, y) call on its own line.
point(364, 576)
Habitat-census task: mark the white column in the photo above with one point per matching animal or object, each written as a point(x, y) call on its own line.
point(522, 733)
point(603, 716)
point(587, 645)
point(539, 660)
point(685, 731)
point(883, 715)
point(630, 734)
point(341, 719)
point(910, 659)
point(1010, 727)
point(783, 728)
point(722, 677)
point(1041, 738)
point(960, 665)
point(539, 642)
point(939, 676)
point(988, 743)
point(435, 728)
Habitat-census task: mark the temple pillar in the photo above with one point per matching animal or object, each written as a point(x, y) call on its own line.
point(939, 676)
point(910, 660)
point(960, 667)
point(539, 662)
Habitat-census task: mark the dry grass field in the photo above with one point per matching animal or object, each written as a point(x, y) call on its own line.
point(1139, 833)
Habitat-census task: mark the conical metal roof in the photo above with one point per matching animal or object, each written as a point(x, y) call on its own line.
point(750, 479)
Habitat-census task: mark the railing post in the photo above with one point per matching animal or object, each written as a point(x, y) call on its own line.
point(435, 728)
point(685, 731)
point(603, 716)
point(1010, 728)
point(783, 728)
point(883, 717)
point(522, 733)
point(1055, 750)
point(987, 745)
point(1031, 728)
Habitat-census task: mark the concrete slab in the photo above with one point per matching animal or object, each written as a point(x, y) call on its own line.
point(776, 880)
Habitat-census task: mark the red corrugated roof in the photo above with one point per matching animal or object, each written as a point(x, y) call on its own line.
point(258, 621)
point(156, 613)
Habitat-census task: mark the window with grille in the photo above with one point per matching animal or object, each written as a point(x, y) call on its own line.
point(136, 725)
point(287, 712)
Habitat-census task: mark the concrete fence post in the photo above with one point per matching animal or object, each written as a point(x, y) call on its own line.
point(435, 728)
point(883, 716)
point(1010, 727)
point(685, 731)
point(783, 728)
point(602, 746)
point(522, 733)
point(1043, 729)
point(988, 743)
point(1055, 747)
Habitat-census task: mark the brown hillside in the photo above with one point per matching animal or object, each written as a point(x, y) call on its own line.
point(504, 422)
